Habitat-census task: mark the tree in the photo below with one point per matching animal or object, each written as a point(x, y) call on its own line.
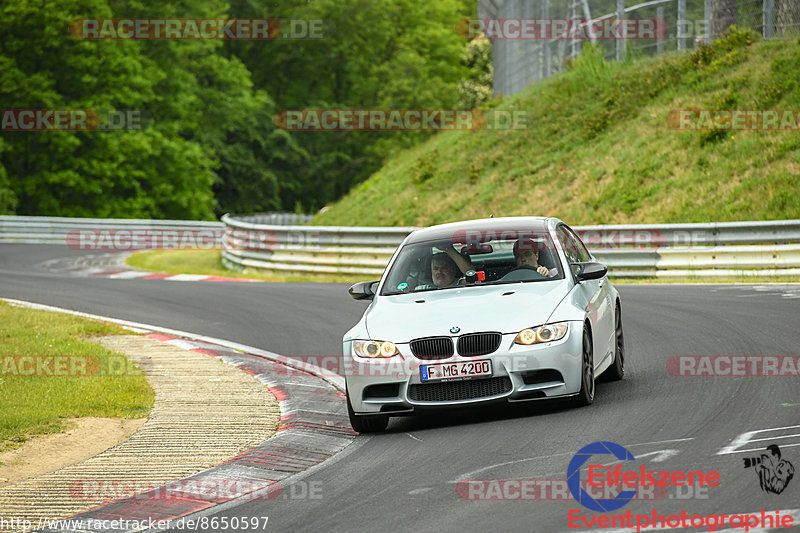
point(207, 130)
point(147, 172)
point(375, 54)
point(8, 200)
point(787, 16)
point(207, 143)
point(723, 16)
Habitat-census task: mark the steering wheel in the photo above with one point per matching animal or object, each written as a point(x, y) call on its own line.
point(517, 274)
point(528, 267)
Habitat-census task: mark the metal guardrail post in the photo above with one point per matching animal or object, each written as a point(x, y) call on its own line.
point(682, 25)
point(546, 42)
point(768, 18)
point(621, 43)
point(574, 41)
point(587, 13)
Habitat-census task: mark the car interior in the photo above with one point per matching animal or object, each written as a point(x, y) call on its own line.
point(495, 260)
point(499, 264)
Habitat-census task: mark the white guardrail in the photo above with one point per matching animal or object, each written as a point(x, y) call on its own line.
point(770, 248)
point(63, 230)
point(275, 243)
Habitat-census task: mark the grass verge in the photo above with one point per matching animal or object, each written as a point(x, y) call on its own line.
point(209, 263)
point(61, 385)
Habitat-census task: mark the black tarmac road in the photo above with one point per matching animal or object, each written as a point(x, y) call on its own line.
point(407, 479)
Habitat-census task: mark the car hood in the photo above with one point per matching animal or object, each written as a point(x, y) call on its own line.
point(505, 308)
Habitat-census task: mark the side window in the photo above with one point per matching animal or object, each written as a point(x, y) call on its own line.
point(582, 251)
point(573, 248)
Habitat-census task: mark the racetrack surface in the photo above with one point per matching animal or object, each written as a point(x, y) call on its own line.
point(405, 479)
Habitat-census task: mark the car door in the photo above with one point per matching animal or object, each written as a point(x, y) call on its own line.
point(594, 293)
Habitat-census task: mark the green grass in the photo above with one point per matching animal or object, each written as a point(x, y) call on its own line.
point(34, 405)
point(599, 150)
point(208, 262)
point(704, 279)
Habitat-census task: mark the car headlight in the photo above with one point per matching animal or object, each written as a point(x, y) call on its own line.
point(372, 349)
point(546, 333)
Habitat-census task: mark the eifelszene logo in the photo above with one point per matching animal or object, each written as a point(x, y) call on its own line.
point(574, 476)
point(774, 473)
point(617, 477)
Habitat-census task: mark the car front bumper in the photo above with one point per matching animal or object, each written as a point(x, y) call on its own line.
point(519, 373)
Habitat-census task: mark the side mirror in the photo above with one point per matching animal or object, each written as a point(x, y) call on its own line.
point(362, 291)
point(589, 270)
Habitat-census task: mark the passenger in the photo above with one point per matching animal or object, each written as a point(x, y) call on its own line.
point(526, 253)
point(444, 271)
point(447, 268)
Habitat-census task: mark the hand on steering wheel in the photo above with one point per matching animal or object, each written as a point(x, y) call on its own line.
point(541, 270)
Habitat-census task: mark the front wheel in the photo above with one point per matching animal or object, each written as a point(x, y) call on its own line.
point(368, 423)
point(586, 394)
point(617, 369)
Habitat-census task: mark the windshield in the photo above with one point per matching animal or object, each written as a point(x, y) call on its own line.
point(444, 264)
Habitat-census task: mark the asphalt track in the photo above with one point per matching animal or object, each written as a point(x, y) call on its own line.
point(405, 479)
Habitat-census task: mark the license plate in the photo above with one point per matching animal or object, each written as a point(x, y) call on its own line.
point(455, 371)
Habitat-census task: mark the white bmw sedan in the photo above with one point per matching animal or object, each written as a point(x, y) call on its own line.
point(499, 309)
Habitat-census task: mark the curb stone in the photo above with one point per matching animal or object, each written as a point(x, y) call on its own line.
point(314, 427)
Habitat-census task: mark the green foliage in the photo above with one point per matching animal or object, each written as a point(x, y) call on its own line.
point(149, 172)
point(733, 39)
point(208, 144)
point(475, 89)
point(600, 149)
point(591, 63)
point(377, 54)
point(8, 200)
point(425, 168)
point(783, 81)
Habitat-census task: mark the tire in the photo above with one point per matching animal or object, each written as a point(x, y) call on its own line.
point(366, 424)
point(617, 370)
point(586, 394)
